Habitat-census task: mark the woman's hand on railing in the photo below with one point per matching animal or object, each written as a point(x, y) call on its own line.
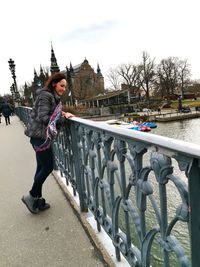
point(67, 115)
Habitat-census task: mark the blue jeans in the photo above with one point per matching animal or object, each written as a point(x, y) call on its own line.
point(44, 167)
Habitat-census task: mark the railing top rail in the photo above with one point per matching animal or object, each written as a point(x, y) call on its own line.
point(186, 148)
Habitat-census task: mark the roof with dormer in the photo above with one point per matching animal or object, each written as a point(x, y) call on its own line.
point(77, 68)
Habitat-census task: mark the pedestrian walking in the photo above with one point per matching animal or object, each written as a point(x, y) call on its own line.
point(47, 107)
point(0, 112)
point(6, 111)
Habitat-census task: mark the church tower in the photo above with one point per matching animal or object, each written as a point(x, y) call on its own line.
point(100, 80)
point(54, 66)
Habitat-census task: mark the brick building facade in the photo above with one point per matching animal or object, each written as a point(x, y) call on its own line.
point(83, 81)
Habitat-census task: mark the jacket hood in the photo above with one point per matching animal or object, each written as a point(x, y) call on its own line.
point(39, 91)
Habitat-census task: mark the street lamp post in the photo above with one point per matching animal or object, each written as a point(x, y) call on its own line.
point(14, 85)
point(12, 90)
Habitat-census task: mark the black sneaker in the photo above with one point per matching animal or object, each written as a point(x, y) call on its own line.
point(31, 203)
point(42, 205)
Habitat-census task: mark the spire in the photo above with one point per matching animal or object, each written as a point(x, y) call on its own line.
point(42, 75)
point(25, 86)
point(85, 61)
point(54, 66)
point(41, 70)
point(98, 70)
point(71, 68)
point(35, 74)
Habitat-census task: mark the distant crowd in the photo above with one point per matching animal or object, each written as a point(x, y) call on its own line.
point(6, 109)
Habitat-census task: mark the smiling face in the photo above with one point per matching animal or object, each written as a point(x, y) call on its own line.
point(60, 87)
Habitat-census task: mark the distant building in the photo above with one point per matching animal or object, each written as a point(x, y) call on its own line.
point(37, 83)
point(83, 81)
point(127, 95)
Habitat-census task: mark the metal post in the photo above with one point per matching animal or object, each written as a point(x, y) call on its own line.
point(194, 200)
point(78, 169)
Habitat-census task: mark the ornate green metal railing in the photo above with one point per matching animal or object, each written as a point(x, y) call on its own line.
point(143, 189)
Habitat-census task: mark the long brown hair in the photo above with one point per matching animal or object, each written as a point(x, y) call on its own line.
point(53, 80)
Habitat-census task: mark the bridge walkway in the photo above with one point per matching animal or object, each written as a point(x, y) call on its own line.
point(52, 238)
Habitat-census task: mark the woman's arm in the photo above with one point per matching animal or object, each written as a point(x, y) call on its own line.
point(67, 115)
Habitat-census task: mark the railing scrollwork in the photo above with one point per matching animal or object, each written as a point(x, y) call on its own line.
point(143, 190)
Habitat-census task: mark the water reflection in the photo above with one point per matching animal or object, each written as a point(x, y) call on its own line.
point(182, 130)
point(187, 130)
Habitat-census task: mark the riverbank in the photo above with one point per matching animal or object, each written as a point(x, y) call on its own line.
point(167, 117)
point(164, 116)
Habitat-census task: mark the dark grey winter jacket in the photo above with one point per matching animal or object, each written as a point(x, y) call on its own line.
point(42, 110)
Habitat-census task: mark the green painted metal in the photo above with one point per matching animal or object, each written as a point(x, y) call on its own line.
point(194, 210)
point(125, 181)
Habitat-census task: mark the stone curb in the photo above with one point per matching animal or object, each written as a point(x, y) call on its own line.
point(102, 253)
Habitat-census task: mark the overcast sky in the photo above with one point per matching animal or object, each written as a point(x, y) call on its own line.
point(108, 32)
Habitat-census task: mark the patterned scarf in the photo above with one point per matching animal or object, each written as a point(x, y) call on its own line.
point(51, 131)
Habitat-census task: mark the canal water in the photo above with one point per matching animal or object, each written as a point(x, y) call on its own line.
point(187, 130)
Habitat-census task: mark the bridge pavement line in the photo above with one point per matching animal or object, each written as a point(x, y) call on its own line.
point(104, 247)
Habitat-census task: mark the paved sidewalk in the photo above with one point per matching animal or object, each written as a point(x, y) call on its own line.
point(52, 238)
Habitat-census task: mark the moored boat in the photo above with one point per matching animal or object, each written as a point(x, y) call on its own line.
point(131, 126)
point(149, 124)
point(141, 128)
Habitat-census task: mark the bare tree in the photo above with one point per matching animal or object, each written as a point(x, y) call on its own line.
point(113, 77)
point(146, 73)
point(184, 75)
point(194, 87)
point(167, 73)
point(129, 74)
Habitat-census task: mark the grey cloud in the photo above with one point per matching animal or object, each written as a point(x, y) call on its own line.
point(93, 32)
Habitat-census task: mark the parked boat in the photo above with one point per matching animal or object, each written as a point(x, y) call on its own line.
point(149, 124)
point(145, 128)
point(141, 128)
point(131, 126)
